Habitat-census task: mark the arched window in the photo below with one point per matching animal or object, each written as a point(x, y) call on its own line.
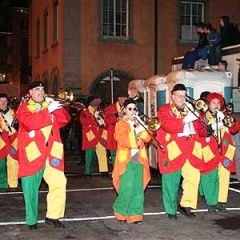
point(55, 81)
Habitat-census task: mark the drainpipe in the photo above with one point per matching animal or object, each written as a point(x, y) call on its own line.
point(155, 37)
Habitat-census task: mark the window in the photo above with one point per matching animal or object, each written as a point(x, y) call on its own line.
point(191, 13)
point(38, 38)
point(45, 30)
point(55, 21)
point(115, 19)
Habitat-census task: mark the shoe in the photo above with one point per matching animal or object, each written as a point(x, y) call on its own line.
point(105, 175)
point(137, 222)
point(88, 175)
point(121, 221)
point(186, 211)
point(172, 216)
point(33, 227)
point(220, 207)
point(212, 209)
point(54, 222)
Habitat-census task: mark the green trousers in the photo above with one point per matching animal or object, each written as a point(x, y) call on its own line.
point(130, 199)
point(209, 185)
point(113, 156)
point(30, 186)
point(170, 187)
point(3, 174)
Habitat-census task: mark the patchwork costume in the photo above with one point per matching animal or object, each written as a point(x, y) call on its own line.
point(93, 140)
point(131, 172)
point(41, 156)
point(182, 158)
point(10, 146)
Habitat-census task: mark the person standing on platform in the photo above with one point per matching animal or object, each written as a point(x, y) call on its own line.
point(7, 116)
point(182, 156)
point(42, 155)
point(131, 172)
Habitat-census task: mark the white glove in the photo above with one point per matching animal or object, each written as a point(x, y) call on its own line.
point(220, 115)
point(54, 106)
point(140, 129)
point(49, 100)
point(216, 126)
point(189, 106)
point(191, 117)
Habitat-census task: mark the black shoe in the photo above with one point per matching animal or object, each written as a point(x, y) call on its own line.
point(88, 175)
point(220, 207)
point(137, 222)
point(105, 175)
point(33, 227)
point(212, 209)
point(54, 222)
point(186, 211)
point(121, 221)
point(172, 216)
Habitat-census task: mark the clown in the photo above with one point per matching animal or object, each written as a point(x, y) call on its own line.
point(218, 154)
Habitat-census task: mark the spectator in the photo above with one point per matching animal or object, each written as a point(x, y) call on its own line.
point(214, 45)
point(198, 52)
point(230, 34)
point(222, 65)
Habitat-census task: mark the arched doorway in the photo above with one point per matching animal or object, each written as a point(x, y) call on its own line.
point(103, 88)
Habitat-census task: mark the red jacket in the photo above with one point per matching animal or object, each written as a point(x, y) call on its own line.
point(39, 137)
point(177, 149)
point(214, 151)
point(90, 129)
point(111, 118)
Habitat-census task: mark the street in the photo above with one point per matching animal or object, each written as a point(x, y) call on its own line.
point(89, 213)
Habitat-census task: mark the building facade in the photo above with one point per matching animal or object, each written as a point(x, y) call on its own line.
point(95, 47)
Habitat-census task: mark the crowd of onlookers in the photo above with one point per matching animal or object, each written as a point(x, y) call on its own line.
point(210, 43)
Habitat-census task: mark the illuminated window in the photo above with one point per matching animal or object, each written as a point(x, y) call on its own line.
point(115, 19)
point(191, 13)
point(3, 77)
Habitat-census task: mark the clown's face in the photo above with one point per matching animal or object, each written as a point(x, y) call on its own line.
point(215, 105)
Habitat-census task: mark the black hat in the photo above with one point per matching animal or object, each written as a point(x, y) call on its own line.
point(3, 95)
point(128, 101)
point(36, 84)
point(179, 87)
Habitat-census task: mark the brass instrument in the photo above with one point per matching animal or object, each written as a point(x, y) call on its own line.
point(65, 97)
point(201, 105)
point(151, 125)
point(229, 120)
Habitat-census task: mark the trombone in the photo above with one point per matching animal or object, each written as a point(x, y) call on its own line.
point(65, 97)
point(201, 105)
point(151, 125)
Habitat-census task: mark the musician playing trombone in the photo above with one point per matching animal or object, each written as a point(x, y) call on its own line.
point(218, 153)
point(131, 170)
point(41, 154)
point(182, 156)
